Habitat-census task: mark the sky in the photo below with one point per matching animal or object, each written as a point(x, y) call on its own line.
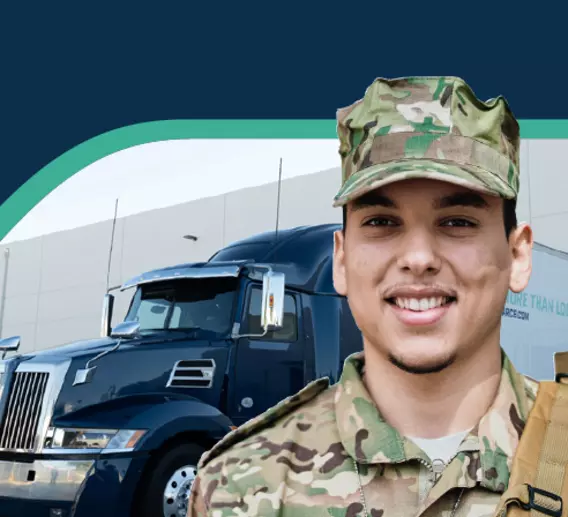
point(161, 174)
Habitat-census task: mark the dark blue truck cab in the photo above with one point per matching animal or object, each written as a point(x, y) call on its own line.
point(115, 426)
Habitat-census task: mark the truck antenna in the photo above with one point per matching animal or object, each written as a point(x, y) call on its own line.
point(111, 245)
point(278, 202)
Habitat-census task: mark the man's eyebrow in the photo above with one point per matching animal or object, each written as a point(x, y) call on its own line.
point(373, 200)
point(467, 199)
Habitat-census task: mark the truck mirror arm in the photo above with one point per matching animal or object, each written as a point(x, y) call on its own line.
point(84, 375)
point(124, 330)
point(235, 333)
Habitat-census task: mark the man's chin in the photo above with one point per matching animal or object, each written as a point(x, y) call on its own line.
point(421, 367)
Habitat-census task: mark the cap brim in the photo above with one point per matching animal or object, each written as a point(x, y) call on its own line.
point(378, 175)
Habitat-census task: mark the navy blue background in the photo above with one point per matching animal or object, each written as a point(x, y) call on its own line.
point(73, 73)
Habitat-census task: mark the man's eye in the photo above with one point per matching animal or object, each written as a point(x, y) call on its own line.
point(458, 223)
point(380, 221)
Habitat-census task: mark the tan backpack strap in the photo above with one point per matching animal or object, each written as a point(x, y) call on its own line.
point(538, 485)
point(516, 497)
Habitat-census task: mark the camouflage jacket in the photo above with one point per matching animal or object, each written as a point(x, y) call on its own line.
point(314, 453)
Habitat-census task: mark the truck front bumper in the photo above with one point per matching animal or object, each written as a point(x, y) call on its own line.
point(68, 487)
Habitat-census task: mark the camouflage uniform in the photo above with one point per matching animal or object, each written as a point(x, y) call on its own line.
point(302, 458)
point(327, 451)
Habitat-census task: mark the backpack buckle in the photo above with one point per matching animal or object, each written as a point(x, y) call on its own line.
point(532, 505)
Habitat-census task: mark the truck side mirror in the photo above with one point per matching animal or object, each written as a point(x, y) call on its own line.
point(108, 304)
point(126, 330)
point(9, 344)
point(272, 315)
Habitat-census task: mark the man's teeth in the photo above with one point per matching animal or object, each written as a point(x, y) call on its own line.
point(421, 304)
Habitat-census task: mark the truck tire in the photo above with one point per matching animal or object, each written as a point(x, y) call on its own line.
point(165, 489)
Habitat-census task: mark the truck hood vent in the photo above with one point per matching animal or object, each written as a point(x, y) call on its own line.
point(192, 373)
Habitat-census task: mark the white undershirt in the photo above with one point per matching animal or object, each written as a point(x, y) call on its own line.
point(443, 449)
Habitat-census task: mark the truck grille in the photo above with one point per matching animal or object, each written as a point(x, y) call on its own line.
point(23, 409)
point(196, 373)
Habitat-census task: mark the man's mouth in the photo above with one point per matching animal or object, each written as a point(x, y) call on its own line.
point(421, 304)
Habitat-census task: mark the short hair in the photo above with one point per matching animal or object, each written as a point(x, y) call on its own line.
point(509, 216)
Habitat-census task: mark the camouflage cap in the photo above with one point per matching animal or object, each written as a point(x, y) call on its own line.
point(427, 127)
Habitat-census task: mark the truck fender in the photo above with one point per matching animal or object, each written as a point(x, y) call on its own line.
point(180, 416)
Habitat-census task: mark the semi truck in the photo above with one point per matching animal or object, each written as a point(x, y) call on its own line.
point(115, 426)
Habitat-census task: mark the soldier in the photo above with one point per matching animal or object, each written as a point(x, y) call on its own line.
point(426, 420)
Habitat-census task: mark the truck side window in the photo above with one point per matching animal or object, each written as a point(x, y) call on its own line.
point(289, 332)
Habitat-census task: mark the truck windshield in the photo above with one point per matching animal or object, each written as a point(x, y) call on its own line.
point(185, 304)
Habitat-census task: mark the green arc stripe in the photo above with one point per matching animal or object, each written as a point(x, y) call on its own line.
point(86, 153)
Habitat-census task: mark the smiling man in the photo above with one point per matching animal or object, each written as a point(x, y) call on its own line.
point(426, 420)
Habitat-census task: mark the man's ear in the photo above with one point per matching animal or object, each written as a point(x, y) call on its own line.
point(521, 244)
point(339, 279)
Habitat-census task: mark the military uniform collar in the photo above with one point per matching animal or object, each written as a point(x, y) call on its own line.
point(490, 446)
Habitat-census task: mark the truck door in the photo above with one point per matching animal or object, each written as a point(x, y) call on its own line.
point(270, 368)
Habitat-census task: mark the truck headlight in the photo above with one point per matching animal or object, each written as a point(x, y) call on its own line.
point(2, 377)
point(2, 382)
point(103, 439)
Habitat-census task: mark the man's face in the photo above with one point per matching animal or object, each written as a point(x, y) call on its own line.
point(426, 267)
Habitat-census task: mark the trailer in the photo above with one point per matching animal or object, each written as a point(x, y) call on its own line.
point(535, 321)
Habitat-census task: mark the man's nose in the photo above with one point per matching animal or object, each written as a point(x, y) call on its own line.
point(418, 253)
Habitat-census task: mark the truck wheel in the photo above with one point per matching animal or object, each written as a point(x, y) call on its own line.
point(167, 488)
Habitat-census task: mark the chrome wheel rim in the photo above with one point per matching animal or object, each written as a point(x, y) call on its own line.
point(176, 493)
